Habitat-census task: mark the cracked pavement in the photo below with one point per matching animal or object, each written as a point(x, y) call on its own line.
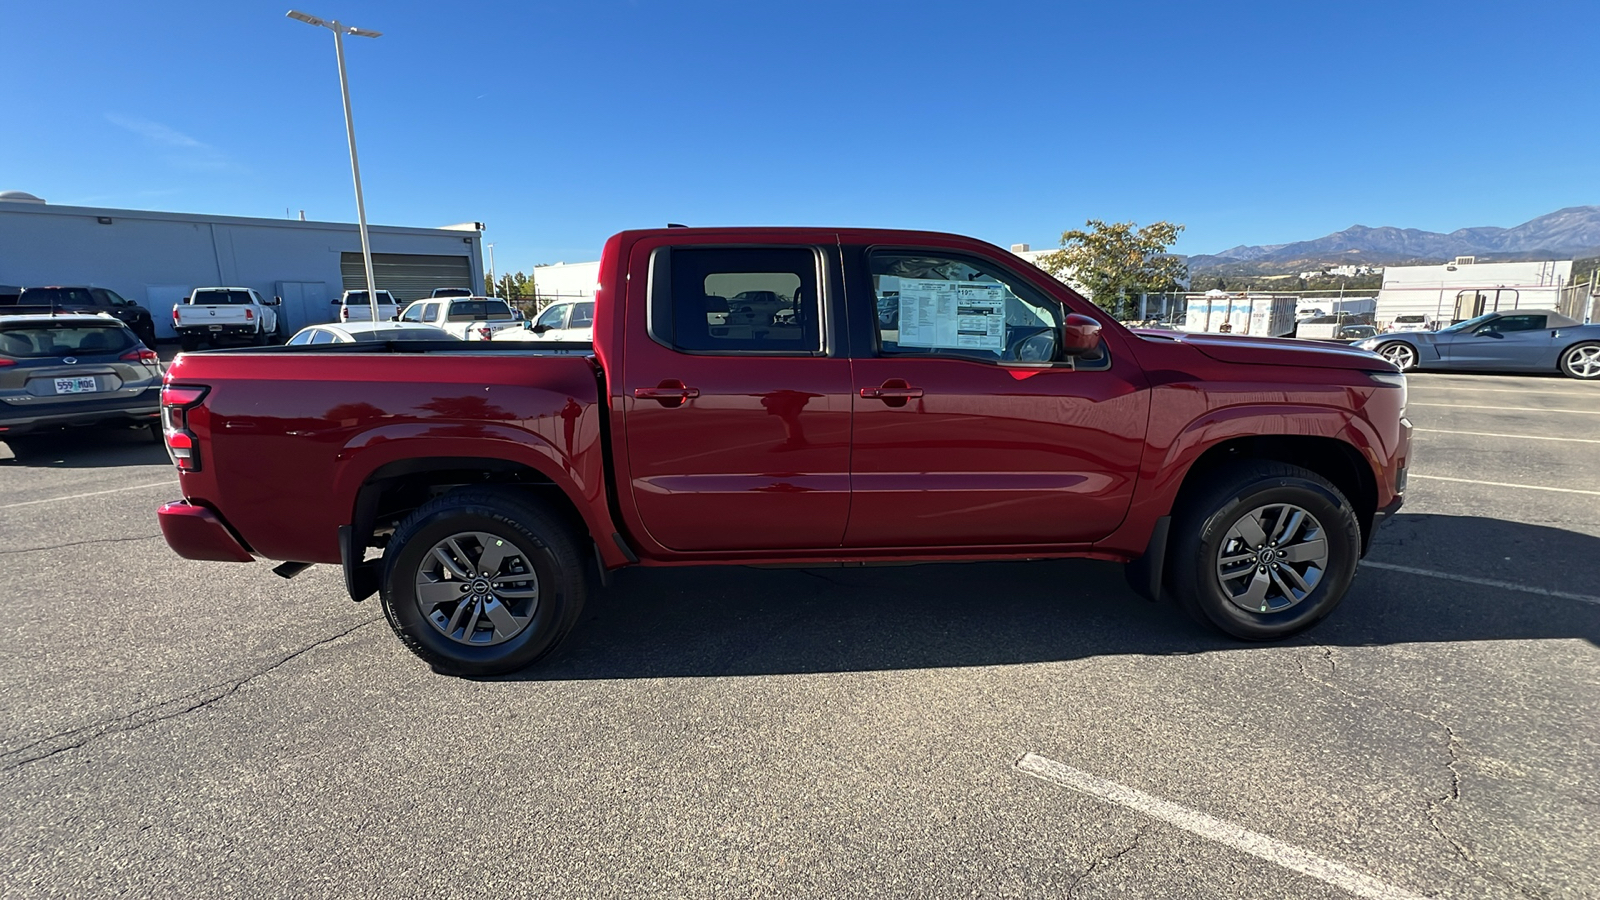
point(176, 728)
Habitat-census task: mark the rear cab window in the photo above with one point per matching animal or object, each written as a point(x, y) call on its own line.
point(475, 310)
point(221, 298)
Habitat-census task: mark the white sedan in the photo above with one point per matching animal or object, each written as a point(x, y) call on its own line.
point(353, 332)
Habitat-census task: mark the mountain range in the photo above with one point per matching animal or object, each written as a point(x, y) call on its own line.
point(1569, 233)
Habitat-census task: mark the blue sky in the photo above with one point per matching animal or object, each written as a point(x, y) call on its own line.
point(558, 124)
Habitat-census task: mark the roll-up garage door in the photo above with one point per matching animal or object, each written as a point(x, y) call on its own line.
point(408, 276)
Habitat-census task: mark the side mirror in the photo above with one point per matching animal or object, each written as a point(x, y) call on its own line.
point(539, 329)
point(276, 301)
point(1079, 334)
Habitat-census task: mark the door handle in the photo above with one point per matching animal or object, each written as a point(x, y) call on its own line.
point(669, 393)
point(891, 393)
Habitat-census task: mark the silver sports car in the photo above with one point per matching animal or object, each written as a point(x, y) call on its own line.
point(1529, 340)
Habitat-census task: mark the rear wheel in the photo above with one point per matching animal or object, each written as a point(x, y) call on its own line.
point(1582, 361)
point(189, 342)
point(482, 582)
point(1400, 353)
point(1266, 551)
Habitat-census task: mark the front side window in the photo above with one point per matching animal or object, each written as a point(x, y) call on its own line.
point(752, 300)
point(554, 317)
point(412, 314)
point(1507, 324)
point(931, 304)
point(322, 337)
point(303, 337)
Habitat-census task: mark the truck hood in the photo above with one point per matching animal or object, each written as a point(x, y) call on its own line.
point(1274, 351)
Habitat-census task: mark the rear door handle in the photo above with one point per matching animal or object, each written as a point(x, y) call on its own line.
point(891, 393)
point(669, 393)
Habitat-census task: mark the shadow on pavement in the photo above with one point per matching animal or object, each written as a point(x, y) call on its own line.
point(717, 621)
point(86, 448)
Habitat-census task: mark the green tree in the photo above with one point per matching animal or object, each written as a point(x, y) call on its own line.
point(1113, 263)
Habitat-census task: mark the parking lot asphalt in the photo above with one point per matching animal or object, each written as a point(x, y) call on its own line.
point(178, 728)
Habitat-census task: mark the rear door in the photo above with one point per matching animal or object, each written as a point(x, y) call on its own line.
point(737, 435)
point(970, 429)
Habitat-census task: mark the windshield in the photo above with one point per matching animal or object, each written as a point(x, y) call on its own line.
point(1469, 324)
point(221, 298)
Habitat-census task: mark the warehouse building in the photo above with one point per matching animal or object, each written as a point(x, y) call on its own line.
point(156, 258)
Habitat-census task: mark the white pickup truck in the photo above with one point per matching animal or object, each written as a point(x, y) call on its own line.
point(354, 306)
point(215, 314)
point(468, 318)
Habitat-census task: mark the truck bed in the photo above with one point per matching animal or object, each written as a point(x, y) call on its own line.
point(288, 435)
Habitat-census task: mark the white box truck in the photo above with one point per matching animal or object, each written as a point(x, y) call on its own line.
point(1257, 315)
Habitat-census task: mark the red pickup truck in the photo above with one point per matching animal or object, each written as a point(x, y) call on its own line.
point(790, 396)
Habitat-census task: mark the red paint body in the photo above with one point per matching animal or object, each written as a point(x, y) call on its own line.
point(846, 456)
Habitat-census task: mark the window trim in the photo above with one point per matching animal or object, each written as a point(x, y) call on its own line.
point(658, 309)
point(1072, 363)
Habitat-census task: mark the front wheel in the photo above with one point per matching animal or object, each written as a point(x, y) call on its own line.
point(1582, 361)
point(1268, 550)
point(482, 582)
point(1400, 353)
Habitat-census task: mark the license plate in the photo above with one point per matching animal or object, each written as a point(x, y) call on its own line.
point(75, 386)
point(216, 328)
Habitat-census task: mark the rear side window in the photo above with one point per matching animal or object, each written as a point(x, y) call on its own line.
point(221, 298)
point(65, 339)
point(761, 300)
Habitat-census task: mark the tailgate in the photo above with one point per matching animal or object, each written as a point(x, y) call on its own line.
point(224, 314)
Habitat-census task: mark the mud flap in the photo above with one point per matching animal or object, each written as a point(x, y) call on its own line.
point(360, 576)
point(1145, 573)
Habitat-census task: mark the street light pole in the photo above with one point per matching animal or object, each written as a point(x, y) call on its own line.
point(339, 31)
point(494, 289)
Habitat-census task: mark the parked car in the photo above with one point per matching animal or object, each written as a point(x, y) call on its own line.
point(215, 314)
point(354, 307)
point(87, 300)
point(468, 318)
point(75, 369)
point(568, 321)
point(1350, 334)
point(1243, 476)
point(353, 332)
point(450, 292)
point(1411, 322)
point(1527, 340)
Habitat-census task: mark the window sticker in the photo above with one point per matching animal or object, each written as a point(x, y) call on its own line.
point(952, 315)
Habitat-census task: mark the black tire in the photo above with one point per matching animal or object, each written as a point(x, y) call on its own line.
point(259, 339)
point(155, 433)
point(537, 538)
point(1201, 534)
point(189, 342)
point(1580, 361)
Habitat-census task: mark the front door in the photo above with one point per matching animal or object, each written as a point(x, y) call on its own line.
point(738, 425)
point(1516, 341)
point(971, 429)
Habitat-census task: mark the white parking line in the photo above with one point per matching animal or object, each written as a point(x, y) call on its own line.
point(1526, 487)
point(133, 487)
point(1226, 833)
point(1579, 392)
point(1524, 437)
point(1579, 412)
point(1483, 582)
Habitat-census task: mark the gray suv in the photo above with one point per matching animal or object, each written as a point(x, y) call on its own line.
point(75, 370)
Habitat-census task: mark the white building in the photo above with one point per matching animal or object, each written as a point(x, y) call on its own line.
point(565, 281)
point(1460, 290)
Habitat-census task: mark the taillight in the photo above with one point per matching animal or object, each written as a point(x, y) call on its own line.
point(176, 403)
point(6, 362)
point(174, 315)
point(344, 313)
point(249, 314)
point(142, 355)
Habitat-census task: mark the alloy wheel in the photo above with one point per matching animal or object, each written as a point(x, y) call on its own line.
point(1584, 362)
point(1272, 558)
point(477, 589)
point(1400, 354)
